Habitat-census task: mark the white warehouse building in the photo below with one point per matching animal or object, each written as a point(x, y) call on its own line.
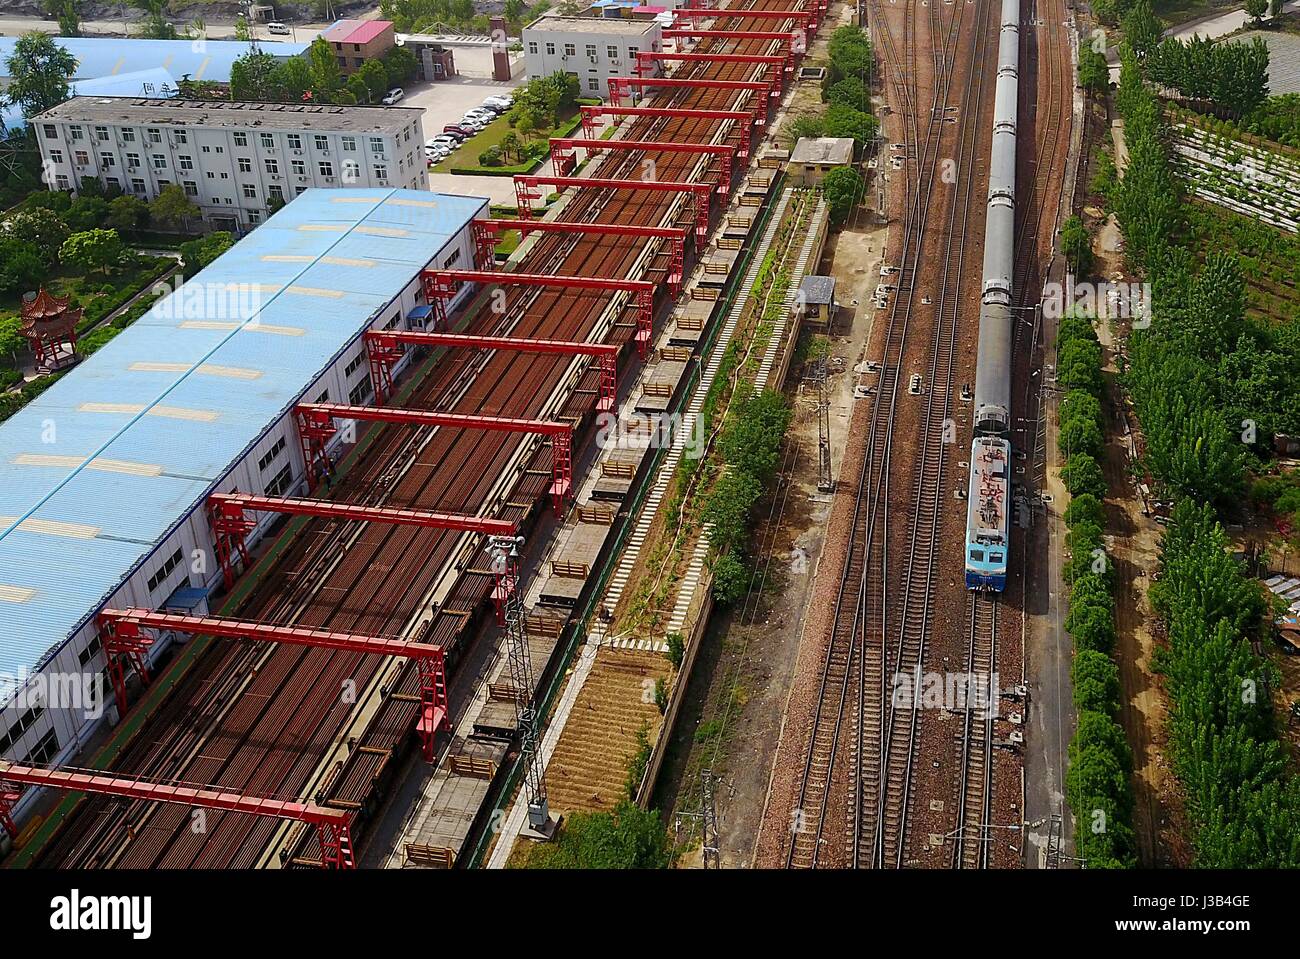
point(236, 160)
point(104, 478)
point(593, 49)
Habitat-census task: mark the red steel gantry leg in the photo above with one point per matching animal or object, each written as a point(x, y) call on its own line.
point(441, 285)
point(124, 644)
point(332, 825)
point(605, 353)
point(316, 423)
point(433, 712)
point(486, 232)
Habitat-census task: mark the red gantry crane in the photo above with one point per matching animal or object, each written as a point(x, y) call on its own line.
point(619, 86)
point(746, 120)
point(332, 825)
point(699, 192)
point(487, 231)
point(316, 426)
point(564, 159)
point(127, 637)
point(386, 346)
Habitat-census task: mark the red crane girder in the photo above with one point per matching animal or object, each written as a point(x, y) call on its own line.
point(388, 344)
point(332, 825)
point(231, 524)
point(316, 426)
point(705, 13)
point(616, 87)
point(649, 56)
point(590, 114)
point(441, 285)
point(564, 159)
point(121, 630)
point(699, 192)
point(796, 41)
point(485, 232)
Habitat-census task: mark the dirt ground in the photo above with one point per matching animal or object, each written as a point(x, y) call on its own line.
point(731, 719)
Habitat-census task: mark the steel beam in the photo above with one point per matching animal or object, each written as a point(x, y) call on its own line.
point(120, 627)
point(332, 825)
point(316, 426)
point(590, 115)
point(699, 192)
point(564, 160)
point(389, 343)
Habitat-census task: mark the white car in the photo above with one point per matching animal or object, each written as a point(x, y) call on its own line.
point(393, 96)
point(275, 26)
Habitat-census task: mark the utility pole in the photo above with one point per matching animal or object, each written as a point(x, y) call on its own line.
point(708, 817)
point(504, 551)
point(825, 479)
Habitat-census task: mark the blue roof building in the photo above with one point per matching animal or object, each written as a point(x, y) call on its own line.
point(104, 476)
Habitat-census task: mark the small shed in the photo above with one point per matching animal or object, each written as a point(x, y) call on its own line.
point(817, 299)
point(814, 157)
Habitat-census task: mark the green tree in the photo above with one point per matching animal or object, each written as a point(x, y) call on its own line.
point(12, 340)
point(242, 31)
point(326, 77)
point(400, 65)
point(1076, 246)
point(127, 213)
point(171, 207)
point(1085, 508)
point(253, 77)
point(1141, 29)
point(1255, 9)
point(850, 92)
point(1094, 75)
point(842, 188)
point(510, 146)
point(21, 266)
point(43, 230)
point(86, 213)
point(39, 70)
point(68, 13)
point(1094, 679)
point(156, 26)
point(842, 121)
point(93, 250)
point(730, 579)
point(196, 254)
point(375, 77)
point(292, 79)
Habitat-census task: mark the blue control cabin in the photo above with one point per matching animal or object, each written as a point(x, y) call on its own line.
point(987, 534)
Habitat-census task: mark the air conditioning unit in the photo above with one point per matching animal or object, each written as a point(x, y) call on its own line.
point(564, 58)
point(616, 63)
point(329, 179)
point(297, 153)
point(275, 176)
point(592, 59)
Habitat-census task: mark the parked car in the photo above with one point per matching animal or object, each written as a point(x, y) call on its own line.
point(475, 120)
point(393, 96)
point(498, 104)
point(275, 26)
point(457, 130)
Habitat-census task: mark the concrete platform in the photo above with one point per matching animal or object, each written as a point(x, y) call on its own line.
point(436, 839)
point(572, 561)
point(497, 717)
point(662, 382)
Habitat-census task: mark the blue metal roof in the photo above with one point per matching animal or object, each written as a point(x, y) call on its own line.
point(154, 82)
point(199, 59)
point(98, 470)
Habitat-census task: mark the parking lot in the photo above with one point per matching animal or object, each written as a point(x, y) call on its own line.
point(446, 102)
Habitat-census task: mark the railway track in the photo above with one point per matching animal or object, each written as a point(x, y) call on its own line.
point(975, 802)
point(259, 719)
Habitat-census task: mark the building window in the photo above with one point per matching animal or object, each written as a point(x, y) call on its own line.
point(322, 143)
point(113, 183)
point(532, 47)
point(61, 182)
point(56, 156)
point(77, 133)
point(159, 162)
point(376, 145)
point(326, 168)
point(272, 454)
point(271, 165)
point(86, 655)
point(451, 260)
point(591, 50)
point(275, 192)
point(250, 191)
point(137, 185)
point(245, 165)
point(106, 159)
point(24, 723)
point(51, 131)
point(354, 364)
point(360, 393)
point(281, 482)
point(352, 170)
point(593, 83)
point(191, 188)
point(268, 142)
point(349, 144)
point(82, 158)
point(254, 216)
point(295, 142)
point(241, 139)
point(155, 135)
point(101, 133)
point(570, 49)
point(182, 136)
point(185, 162)
point(128, 136)
point(44, 751)
point(550, 49)
point(631, 54)
point(205, 148)
point(211, 175)
point(132, 161)
point(299, 167)
point(612, 52)
point(381, 172)
point(162, 572)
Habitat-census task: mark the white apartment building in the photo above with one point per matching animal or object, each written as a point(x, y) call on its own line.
point(593, 49)
point(234, 159)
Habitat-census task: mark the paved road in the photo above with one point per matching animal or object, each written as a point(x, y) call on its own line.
point(1220, 25)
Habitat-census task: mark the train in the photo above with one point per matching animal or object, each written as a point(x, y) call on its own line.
point(987, 523)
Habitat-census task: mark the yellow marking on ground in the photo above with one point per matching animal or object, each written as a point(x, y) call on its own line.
point(313, 291)
point(15, 594)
